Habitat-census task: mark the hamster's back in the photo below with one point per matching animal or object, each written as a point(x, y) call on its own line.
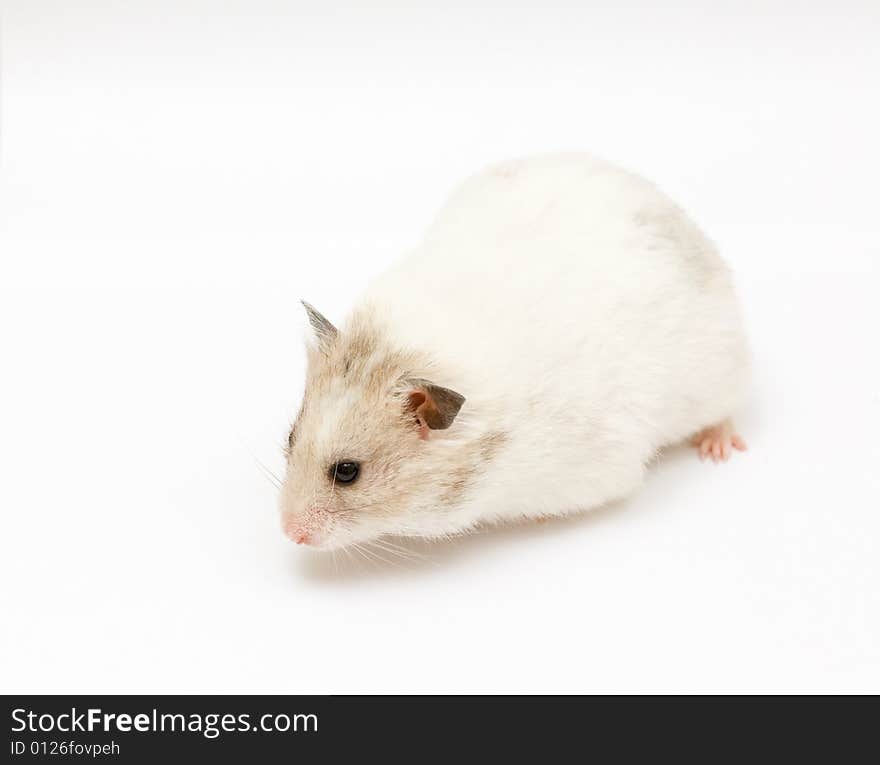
point(545, 253)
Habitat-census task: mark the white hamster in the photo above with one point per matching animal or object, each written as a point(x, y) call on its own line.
point(560, 322)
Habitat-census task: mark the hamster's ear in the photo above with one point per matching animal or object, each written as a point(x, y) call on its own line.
point(434, 407)
point(325, 332)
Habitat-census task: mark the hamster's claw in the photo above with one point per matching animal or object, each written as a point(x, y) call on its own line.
point(718, 442)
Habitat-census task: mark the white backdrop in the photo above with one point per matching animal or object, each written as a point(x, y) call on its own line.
point(175, 175)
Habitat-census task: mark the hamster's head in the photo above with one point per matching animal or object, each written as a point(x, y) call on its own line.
point(372, 448)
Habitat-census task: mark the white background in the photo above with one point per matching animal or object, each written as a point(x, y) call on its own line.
point(176, 175)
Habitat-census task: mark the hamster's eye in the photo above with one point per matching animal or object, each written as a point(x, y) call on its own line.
point(345, 472)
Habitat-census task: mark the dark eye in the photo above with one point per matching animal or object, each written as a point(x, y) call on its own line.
point(345, 472)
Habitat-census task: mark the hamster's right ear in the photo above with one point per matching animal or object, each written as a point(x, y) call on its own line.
point(325, 332)
point(434, 407)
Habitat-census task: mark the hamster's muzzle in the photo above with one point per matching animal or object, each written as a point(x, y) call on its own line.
point(303, 529)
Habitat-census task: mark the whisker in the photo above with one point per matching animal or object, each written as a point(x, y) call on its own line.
point(378, 557)
point(386, 541)
point(274, 479)
point(344, 510)
point(381, 550)
point(400, 552)
point(356, 548)
point(348, 556)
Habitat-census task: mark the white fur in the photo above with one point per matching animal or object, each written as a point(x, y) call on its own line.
point(580, 312)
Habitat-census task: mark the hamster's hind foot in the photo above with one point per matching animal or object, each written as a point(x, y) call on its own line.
point(718, 442)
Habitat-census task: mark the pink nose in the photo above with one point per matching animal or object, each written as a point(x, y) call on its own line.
point(296, 532)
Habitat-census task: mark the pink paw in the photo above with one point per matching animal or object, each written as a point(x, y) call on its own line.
point(718, 442)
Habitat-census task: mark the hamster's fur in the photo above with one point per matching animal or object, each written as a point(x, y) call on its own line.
point(560, 322)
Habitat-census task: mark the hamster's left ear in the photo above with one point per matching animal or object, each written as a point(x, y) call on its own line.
point(434, 407)
point(325, 332)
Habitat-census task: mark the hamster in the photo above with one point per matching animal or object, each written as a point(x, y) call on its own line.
point(560, 322)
